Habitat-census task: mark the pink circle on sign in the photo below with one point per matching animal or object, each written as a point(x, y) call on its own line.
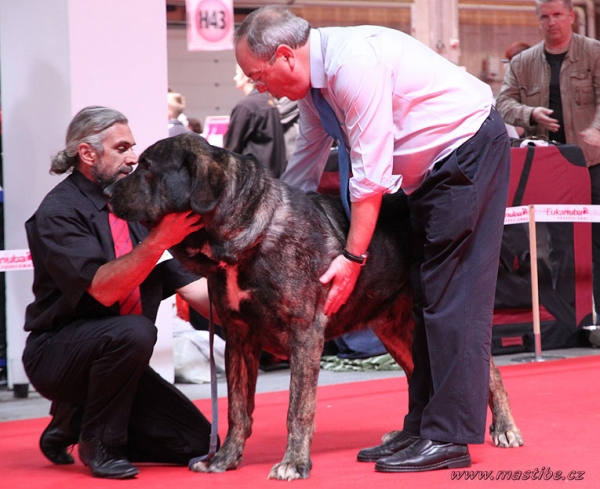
point(213, 20)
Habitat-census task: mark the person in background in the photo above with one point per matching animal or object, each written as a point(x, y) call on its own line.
point(194, 125)
point(411, 120)
point(97, 285)
point(552, 90)
point(514, 49)
point(175, 108)
point(290, 120)
point(511, 51)
point(255, 126)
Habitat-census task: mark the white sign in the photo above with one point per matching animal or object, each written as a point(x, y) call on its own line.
point(210, 25)
point(215, 127)
point(553, 213)
point(15, 260)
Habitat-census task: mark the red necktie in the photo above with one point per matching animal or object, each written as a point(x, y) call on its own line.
point(122, 240)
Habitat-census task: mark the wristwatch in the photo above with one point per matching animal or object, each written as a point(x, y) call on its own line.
point(360, 259)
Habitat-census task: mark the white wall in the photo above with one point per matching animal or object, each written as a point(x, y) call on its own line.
point(205, 78)
point(57, 57)
point(61, 55)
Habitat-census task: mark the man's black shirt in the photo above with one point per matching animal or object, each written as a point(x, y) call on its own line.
point(69, 240)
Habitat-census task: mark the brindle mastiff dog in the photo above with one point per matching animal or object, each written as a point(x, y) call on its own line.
point(263, 247)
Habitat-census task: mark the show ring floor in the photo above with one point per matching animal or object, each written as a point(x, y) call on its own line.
point(555, 404)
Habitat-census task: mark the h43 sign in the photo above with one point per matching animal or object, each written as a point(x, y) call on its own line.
point(209, 25)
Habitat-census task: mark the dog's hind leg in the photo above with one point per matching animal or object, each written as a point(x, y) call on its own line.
point(503, 430)
point(394, 327)
point(241, 362)
point(396, 336)
point(305, 361)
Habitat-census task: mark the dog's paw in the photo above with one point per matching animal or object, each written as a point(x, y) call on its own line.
point(216, 465)
point(510, 438)
point(212, 467)
point(289, 471)
point(199, 466)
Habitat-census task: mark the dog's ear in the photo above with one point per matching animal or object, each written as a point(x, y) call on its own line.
point(208, 181)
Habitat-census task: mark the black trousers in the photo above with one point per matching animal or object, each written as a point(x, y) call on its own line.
point(102, 366)
point(457, 218)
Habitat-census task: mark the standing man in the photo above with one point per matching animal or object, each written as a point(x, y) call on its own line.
point(553, 89)
point(91, 322)
point(411, 120)
point(255, 126)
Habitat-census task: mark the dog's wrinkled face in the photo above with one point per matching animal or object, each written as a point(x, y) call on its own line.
point(176, 174)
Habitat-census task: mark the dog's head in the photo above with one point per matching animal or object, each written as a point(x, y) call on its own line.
point(176, 174)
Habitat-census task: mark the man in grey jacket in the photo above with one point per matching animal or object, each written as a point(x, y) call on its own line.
point(553, 90)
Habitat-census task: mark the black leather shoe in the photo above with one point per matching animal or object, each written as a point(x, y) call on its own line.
point(62, 433)
point(400, 441)
point(105, 461)
point(426, 455)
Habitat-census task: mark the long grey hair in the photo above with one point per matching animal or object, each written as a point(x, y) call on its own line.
point(88, 126)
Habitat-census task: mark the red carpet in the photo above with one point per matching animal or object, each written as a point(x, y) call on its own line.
point(556, 405)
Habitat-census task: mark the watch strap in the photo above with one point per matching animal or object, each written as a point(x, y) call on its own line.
point(360, 259)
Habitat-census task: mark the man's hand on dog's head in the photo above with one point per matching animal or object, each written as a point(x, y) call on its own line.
point(173, 228)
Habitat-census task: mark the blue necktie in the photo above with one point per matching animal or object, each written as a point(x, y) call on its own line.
point(333, 128)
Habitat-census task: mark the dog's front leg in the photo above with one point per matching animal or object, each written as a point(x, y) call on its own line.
point(305, 362)
point(242, 353)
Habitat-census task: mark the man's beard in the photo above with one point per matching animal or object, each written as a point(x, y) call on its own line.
point(104, 178)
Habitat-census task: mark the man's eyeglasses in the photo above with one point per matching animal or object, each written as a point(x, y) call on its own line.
point(257, 81)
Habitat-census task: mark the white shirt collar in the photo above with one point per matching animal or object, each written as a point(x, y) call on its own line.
point(317, 71)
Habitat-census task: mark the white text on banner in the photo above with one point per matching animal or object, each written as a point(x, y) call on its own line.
point(210, 25)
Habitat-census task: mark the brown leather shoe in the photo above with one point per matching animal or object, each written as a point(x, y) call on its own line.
point(62, 433)
point(426, 455)
point(399, 441)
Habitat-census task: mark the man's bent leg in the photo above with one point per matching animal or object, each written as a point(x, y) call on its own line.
point(165, 426)
point(97, 365)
